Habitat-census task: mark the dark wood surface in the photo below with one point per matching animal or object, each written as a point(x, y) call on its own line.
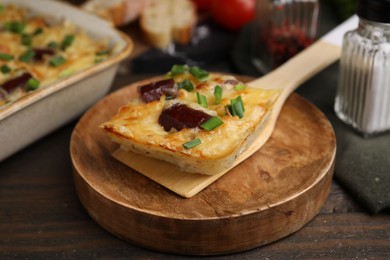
point(41, 216)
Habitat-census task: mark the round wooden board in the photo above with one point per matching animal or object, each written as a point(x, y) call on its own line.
point(270, 195)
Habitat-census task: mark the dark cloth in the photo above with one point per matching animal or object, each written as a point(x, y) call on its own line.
point(363, 167)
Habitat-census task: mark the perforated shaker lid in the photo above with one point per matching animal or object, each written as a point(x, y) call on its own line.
point(374, 10)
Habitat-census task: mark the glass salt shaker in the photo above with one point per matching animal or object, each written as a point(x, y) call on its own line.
point(363, 93)
point(281, 29)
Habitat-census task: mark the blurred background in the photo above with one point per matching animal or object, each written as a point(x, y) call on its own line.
point(221, 39)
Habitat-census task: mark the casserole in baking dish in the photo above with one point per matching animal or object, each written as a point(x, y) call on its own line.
point(64, 93)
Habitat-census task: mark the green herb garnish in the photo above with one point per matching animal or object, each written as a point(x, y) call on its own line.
point(67, 41)
point(103, 52)
point(26, 39)
point(32, 84)
point(240, 87)
point(27, 56)
point(178, 69)
point(14, 26)
point(212, 123)
point(236, 107)
point(66, 73)
point(2, 8)
point(192, 143)
point(57, 61)
point(5, 69)
point(187, 85)
point(201, 99)
point(52, 44)
point(239, 109)
point(6, 57)
point(198, 73)
point(38, 31)
point(217, 94)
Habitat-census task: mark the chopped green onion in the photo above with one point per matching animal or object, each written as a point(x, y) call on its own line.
point(57, 61)
point(236, 100)
point(5, 69)
point(14, 26)
point(187, 85)
point(26, 39)
point(192, 143)
point(38, 31)
point(27, 56)
point(2, 8)
point(6, 57)
point(239, 108)
point(239, 86)
point(212, 123)
point(32, 84)
point(68, 40)
point(201, 99)
point(66, 73)
point(236, 107)
point(218, 94)
point(239, 99)
point(52, 44)
point(103, 52)
point(228, 109)
point(178, 69)
point(198, 73)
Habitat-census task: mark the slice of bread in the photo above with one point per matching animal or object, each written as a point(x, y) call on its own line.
point(167, 21)
point(119, 12)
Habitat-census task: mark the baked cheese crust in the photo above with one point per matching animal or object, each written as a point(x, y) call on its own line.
point(136, 126)
point(34, 48)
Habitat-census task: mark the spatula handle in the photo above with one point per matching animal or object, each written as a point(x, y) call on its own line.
point(301, 67)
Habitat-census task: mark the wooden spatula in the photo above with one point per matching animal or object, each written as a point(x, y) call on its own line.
point(287, 77)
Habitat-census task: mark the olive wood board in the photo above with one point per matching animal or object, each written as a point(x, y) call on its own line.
point(268, 196)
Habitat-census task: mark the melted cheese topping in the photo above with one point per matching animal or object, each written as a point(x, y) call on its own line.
point(137, 122)
point(81, 53)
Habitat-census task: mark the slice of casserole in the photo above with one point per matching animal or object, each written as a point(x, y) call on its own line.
point(198, 121)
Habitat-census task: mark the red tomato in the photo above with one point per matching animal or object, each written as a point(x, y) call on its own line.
point(202, 5)
point(232, 14)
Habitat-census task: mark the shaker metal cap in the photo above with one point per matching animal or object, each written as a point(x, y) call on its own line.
point(374, 10)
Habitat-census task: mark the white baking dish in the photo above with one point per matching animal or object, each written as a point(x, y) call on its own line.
point(50, 107)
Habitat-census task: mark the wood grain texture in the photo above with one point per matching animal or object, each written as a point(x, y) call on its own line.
point(288, 77)
point(269, 196)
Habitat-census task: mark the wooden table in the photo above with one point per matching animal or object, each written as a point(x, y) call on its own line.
point(41, 216)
